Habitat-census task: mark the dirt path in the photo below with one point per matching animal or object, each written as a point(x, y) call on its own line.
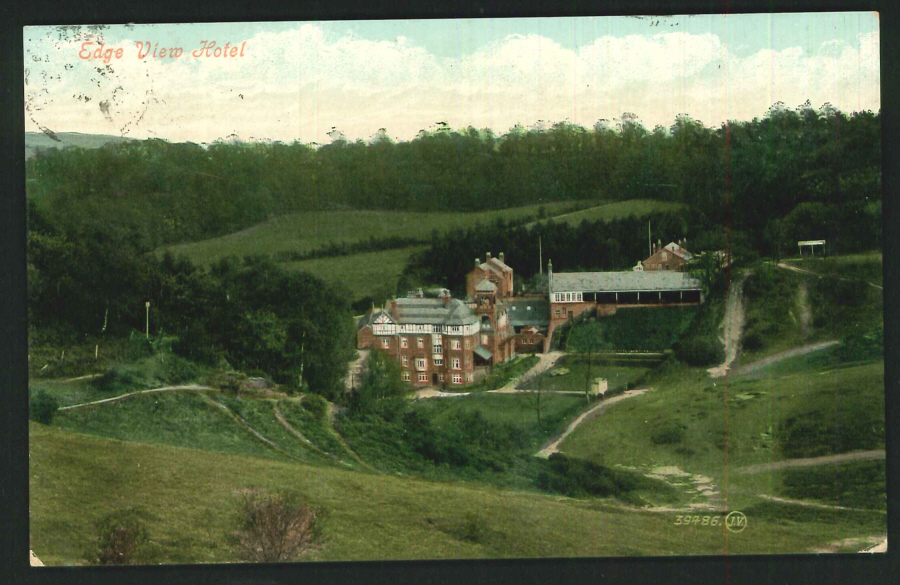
point(813, 461)
point(355, 369)
point(553, 445)
point(811, 504)
point(79, 378)
point(138, 393)
point(881, 547)
point(246, 426)
point(823, 275)
point(802, 350)
point(805, 311)
point(329, 419)
point(545, 362)
point(732, 326)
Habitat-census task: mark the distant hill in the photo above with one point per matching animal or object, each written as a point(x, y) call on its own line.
point(35, 140)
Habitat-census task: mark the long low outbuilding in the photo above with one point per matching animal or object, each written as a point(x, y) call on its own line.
point(571, 293)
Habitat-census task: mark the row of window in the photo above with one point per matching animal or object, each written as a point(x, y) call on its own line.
point(420, 343)
point(423, 377)
point(422, 363)
point(568, 297)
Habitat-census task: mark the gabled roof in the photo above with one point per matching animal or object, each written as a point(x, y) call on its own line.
point(632, 281)
point(679, 251)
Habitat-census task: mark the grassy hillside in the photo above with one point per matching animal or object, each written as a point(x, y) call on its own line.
point(618, 210)
point(866, 267)
point(302, 232)
point(715, 427)
point(189, 496)
point(618, 374)
point(371, 274)
point(785, 309)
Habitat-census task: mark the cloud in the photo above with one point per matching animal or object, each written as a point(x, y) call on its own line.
point(298, 84)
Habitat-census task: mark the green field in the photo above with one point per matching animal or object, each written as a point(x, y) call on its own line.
point(371, 274)
point(785, 309)
point(865, 267)
point(302, 232)
point(645, 329)
point(189, 497)
point(618, 376)
point(618, 210)
point(715, 427)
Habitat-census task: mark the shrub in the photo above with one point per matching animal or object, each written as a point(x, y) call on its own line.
point(474, 528)
point(117, 379)
point(194, 344)
point(229, 382)
point(118, 537)
point(41, 407)
point(315, 405)
point(668, 434)
point(178, 370)
point(276, 527)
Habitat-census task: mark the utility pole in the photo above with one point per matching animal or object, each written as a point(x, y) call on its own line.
point(649, 241)
point(540, 256)
point(147, 306)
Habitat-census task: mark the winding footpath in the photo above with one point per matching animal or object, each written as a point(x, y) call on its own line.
point(138, 393)
point(814, 461)
point(553, 446)
point(821, 275)
point(797, 351)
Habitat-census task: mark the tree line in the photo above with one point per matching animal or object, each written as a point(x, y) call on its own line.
point(792, 174)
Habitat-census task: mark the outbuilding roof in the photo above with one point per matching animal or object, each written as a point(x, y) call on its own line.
point(434, 312)
point(486, 286)
point(524, 312)
point(630, 281)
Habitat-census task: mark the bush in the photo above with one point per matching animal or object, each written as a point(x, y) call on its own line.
point(474, 528)
point(178, 370)
point(117, 379)
point(700, 351)
point(315, 405)
point(276, 527)
point(668, 434)
point(229, 382)
point(42, 407)
point(118, 537)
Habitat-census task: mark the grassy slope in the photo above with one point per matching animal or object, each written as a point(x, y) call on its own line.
point(307, 231)
point(763, 418)
point(617, 376)
point(776, 314)
point(189, 494)
point(866, 266)
point(618, 210)
point(373, 274)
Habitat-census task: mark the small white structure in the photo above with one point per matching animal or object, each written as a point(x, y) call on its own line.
point(812, 246)
point(599, 387)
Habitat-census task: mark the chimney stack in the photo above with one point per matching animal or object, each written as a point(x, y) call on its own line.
point(488, 255)
point(501, 256)
point(477, 262)
point(394, 308)
point(654, 249)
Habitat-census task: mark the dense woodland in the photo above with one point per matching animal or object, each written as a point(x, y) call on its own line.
point(97, 215)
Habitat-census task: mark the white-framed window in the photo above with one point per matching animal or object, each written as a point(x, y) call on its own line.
point(457, 379)
point(556, 313)
point(420, 363)
point(435, 328)
point(437, 348)
point(454, 363)
point(385, 342)
point(404, 342)
point(420, 342)
point(439, 361)
point(405, 376)
point(468, 344)
point(455, 344)
point(423, 377)
point(441, 378)
point(405, 361)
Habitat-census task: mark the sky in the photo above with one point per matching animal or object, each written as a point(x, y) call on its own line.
point(314, 81)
